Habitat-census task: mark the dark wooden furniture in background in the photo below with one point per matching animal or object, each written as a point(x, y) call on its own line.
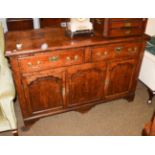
point(51, 22)
point(149, 129)
point(71, 74)
point(120, 27)
point(16, 24)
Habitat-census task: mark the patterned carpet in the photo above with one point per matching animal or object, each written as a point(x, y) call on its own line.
point(113, 118)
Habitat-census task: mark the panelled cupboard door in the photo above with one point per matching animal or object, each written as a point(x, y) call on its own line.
point(85, 83)
point(120, 77)
point(44, 91)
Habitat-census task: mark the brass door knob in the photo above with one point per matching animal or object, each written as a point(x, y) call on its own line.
point(38, 62)
point(76, 57)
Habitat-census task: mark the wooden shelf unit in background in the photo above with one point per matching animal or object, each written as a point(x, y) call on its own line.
point(17, 24)
point(51, 22)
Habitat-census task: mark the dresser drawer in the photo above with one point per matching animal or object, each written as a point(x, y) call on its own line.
point(115, 51)
point(120, 27)
point(52, 59)
point(101, 53)
point(127, 24)
point(125, 32)
point(126, 50)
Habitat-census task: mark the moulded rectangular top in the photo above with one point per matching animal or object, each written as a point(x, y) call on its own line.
point(32, 41)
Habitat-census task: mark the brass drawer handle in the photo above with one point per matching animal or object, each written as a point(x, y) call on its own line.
point(76, 57)
point(38, 62)
point(104, 54)
point(118, 49)
point(132, 50)
point(127, 24)
point(68, 58)
point(29, 64)
point(54, 58)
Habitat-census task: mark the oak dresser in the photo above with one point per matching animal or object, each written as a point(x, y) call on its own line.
point(55, 74)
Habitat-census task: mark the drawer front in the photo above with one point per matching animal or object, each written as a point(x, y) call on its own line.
point(125, 32)
point(101, 53)
point(131, 50)
point(50, 60)
point(124, 27)
point(128, 50)
point(127, 24)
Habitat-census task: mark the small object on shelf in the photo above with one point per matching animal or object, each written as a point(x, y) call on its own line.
point(78, 26)
point(19, 46)
point(44, 46)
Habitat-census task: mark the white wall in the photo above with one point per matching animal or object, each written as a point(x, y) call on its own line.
point(3, 20)
point(36, 23)
point(151, 26)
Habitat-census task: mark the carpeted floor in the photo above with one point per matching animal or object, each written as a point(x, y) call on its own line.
point(113, 118)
